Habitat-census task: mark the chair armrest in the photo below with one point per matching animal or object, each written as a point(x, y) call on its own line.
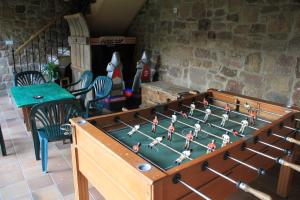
point(72, 84)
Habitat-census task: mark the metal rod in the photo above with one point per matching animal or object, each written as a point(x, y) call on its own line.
point(211, 134)
point(242, 105)
point(39, 53)
point(243, 163)
point(154, 139)
point(194, 190)
point(26, 57)
point(32, 55)
point(223, 176)
point(178, 134)
point(274, 147)
point(14, 62)
point(20, 60)
point(262, 154)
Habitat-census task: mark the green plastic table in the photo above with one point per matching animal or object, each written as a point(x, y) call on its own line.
point(27, 96)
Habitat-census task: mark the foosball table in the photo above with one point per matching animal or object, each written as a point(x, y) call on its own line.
point(205, 146)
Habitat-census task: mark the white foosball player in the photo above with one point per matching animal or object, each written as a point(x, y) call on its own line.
point(244, 124)
point(174, 118)
point(247, 106)
point(197, 129)
point(225, 118)
point(156, 141)
point(226, 139)
point(192, 108)
point(133, 130)
point(185, 154)
point(207, 113)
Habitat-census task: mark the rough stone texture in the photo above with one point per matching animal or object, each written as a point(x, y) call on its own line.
point(18, 20)
point(245, 46)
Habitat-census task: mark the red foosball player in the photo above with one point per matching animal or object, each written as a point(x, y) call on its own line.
point(252, 117)
point(235, 133)
point(171, 130)
point(154, 124)
point(205, 103)
point(188, 138)
point(227, 108)
point(183, 114)
point(211, 146)
point(136, 147)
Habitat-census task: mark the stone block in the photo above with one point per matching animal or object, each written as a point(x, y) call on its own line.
point(218, 26)
point(296, 98)
point(216, 85)
point(234, 86)
point(198, 76)
point(219, 12)
point(20, 9)
point(179, 25)
point(224, 35)
point(202, 53)
point(175, 72)
point(249, 14)
point(297, 86)
point(211, 35)
point(228, 72)
point(204, 24)
point(241, 29)
point(278, 36)
point(276, 97)
point(281, 84)
point(235, 5)
point(258, 28)
point(294, 43)
point(279, 64)
point(251, 80)
point(233, 17)
point(275, 46)
point(269, 9)
point(278, 23)
point(253, 62)
point(199, 10)
point(219, 3)
point(220, 78)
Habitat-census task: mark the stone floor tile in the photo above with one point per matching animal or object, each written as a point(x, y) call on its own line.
point(47, 193)
point(10, 173)
point(33, 172)
point(66, 188)
point(95, 194)
point(13, 191)
point(40, 182)
point(62, 176)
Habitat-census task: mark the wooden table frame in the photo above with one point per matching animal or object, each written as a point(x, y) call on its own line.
point(112, 168)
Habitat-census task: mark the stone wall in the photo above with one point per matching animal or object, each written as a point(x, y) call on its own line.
point(245, 46)
point(18, 20)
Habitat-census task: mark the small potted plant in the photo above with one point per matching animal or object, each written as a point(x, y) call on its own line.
point(50, 70)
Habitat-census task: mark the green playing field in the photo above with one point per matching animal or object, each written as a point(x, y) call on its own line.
point(164, 157)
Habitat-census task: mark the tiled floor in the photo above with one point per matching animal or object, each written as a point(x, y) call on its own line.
point(21, 177)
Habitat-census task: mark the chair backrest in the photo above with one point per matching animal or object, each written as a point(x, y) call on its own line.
point(49, 116)
point(29, 78)
point(102, 86)
point(86, 79)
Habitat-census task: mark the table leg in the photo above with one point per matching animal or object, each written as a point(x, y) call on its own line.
point(285, 178)
point(80, 181)
point(26, 114)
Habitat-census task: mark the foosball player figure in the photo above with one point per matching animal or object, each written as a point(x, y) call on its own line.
point(192, 108)
point(211, 146)
point(226, 139)
point(205, 103)
point(136, 147)
point(197, 129)
point(185, 154)
point(247, 106)
point(154, 124)
point(235, 132)
point(171, 130)
point(225, 117)
point(133, 130)
point(183, 114)
point(207, 113)
point(227, 109)
point(244, 124)
point(188, 138)
point(174, 118)
point(156, 141)
point(252, 118)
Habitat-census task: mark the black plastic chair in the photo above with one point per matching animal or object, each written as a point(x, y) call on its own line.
point(2, 144)
point(46, 120)
point(29, 78)
point(85, 81)
point(101, 87)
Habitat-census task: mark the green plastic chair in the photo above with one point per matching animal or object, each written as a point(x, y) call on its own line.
point(85, 81)
point(46, 121)
point(2, 143)
point(101, 86)
point(29, 78)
